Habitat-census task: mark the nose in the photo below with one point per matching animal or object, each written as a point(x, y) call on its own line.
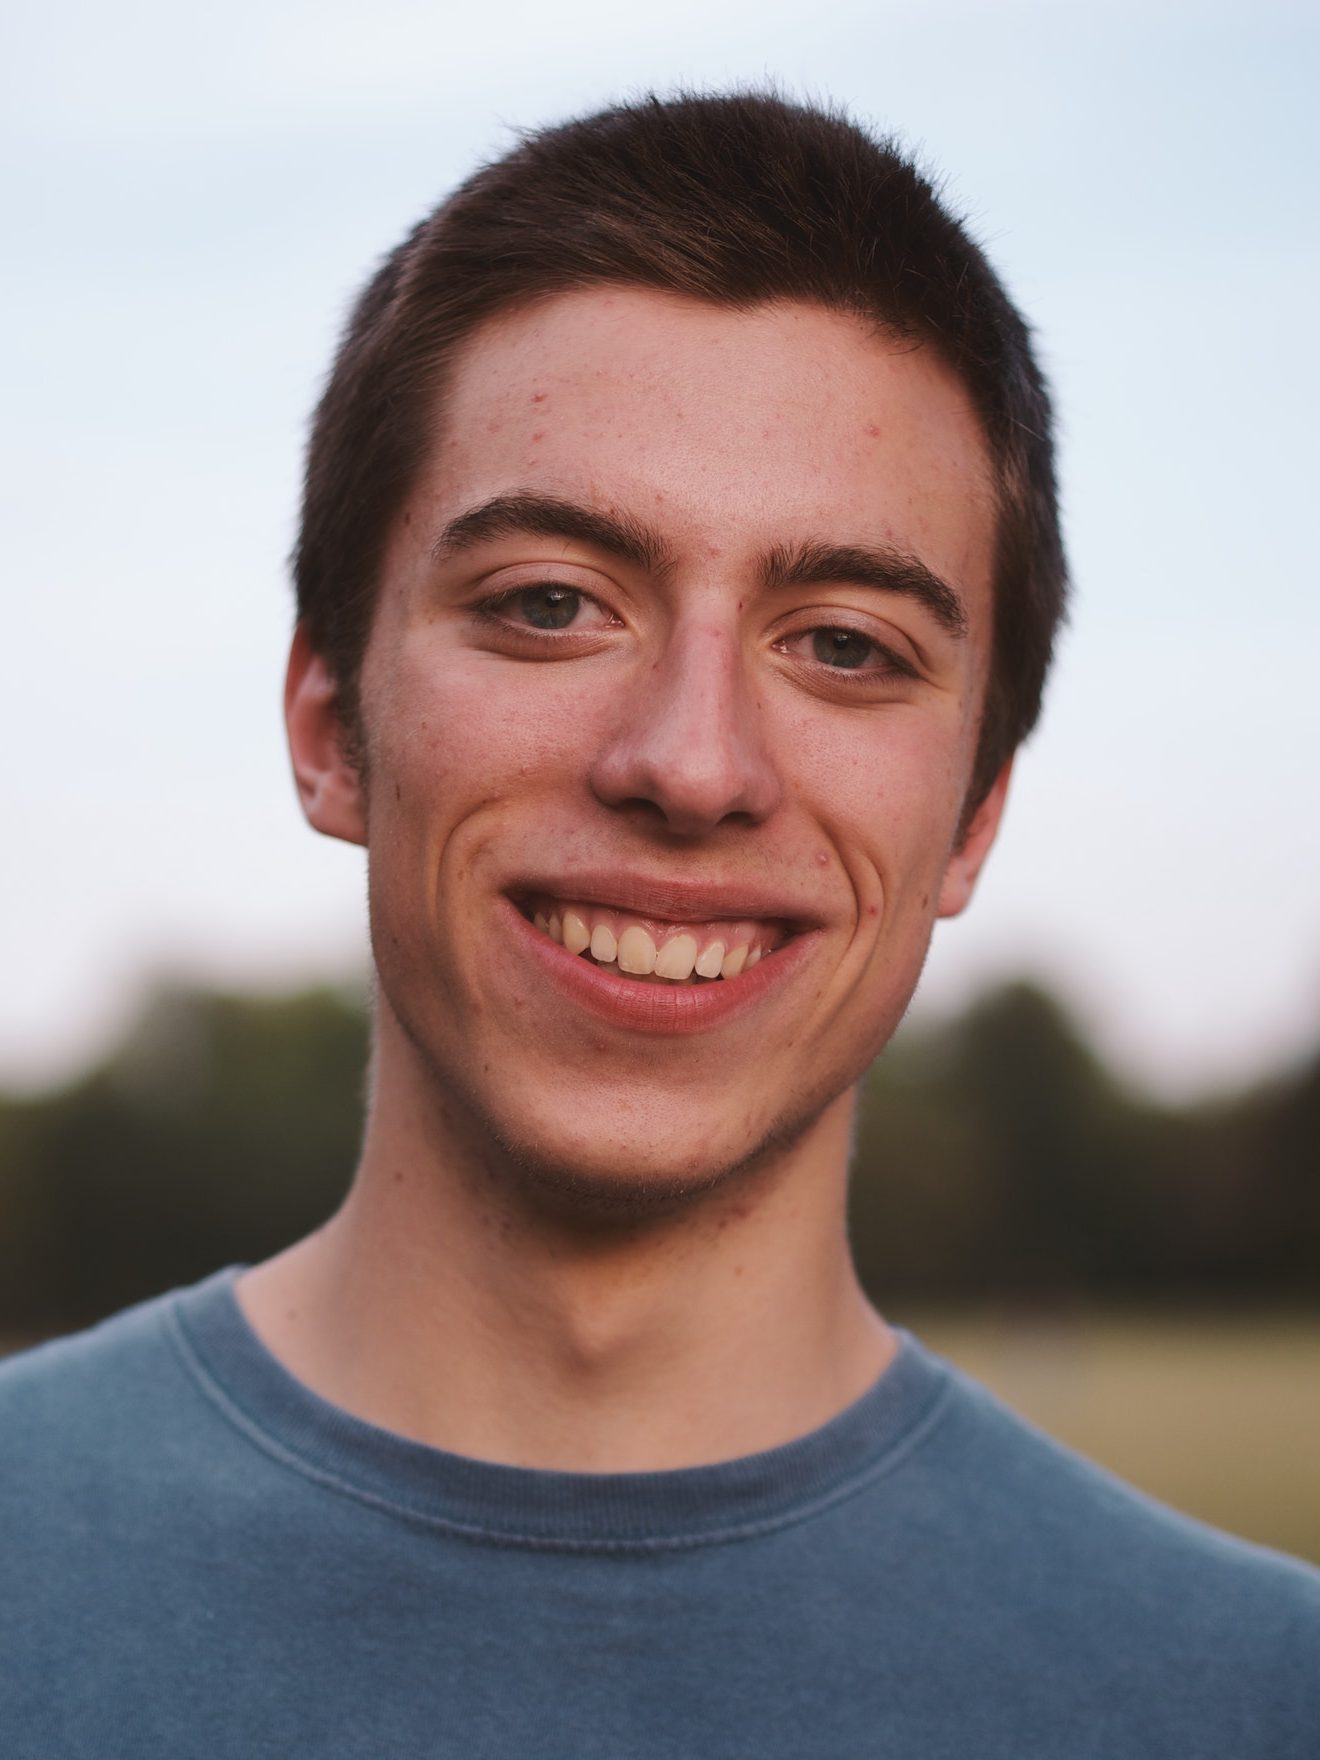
point(690, 746)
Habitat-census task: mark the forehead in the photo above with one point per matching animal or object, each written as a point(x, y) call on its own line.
point(729, 430)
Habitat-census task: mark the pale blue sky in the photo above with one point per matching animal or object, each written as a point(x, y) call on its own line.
point(190, 200)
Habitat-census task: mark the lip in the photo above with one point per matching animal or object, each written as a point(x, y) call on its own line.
point(657, 1009)
point(676, 899)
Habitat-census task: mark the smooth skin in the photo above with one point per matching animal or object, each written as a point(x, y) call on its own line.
point(571, 1243)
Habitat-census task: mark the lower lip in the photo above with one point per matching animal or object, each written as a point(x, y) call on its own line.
point(659, 1009)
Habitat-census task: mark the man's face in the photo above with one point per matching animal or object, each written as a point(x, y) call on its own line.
point(680, 646)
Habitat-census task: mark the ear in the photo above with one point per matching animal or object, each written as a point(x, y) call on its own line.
point(328, 784)
point(965, 862)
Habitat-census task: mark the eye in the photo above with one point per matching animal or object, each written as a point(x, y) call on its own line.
point(842, 648)
point(545, 607)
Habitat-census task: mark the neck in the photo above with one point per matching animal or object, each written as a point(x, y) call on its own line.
point(447, 1303)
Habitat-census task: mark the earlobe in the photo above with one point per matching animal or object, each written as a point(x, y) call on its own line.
point(966, 861)
point(329, 786)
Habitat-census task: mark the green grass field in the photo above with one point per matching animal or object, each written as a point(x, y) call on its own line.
point(1219, 1416)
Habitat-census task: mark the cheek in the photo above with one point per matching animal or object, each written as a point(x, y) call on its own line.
point(464, 730)
point(887, 786)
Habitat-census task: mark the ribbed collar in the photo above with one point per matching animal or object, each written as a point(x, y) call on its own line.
point(503, 1505)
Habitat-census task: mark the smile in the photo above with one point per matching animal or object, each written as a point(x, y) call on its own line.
point(649, 949)
point(657, 927)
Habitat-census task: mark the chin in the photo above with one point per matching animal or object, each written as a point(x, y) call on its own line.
point(611, 1154)
point(596, 1177)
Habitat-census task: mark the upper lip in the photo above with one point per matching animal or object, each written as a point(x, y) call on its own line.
point(677, 898)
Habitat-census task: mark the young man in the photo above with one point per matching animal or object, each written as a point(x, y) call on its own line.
point(678, 575)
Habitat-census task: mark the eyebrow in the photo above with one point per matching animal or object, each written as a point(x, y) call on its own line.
point(525, 512)
point(886, 569)
point(545, 516)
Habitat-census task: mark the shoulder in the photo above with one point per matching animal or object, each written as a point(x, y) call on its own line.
point(45, 1372)
point(1110, 1580)
point(61, 1373)
point(91, 1404)
point(1040, 1500)
point(112, 1467)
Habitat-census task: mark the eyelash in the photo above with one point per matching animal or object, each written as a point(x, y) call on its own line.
point(493, 611)
point(894, 666)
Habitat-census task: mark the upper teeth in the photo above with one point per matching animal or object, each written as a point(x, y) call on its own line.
point(676, 951)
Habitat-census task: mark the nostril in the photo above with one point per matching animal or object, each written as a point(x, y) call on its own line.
point(691, 783)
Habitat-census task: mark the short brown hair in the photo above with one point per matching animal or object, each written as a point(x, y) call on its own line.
point(736, 200)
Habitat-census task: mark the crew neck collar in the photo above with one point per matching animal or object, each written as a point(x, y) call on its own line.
point(488, 1502)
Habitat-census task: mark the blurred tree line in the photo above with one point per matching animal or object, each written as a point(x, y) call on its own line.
point(997, 1158)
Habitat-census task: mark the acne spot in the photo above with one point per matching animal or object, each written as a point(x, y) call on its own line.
point(873, 910)
point(539, 396)
point(398, 1177)
point(398, 792)
point(822, 858)
point(538, 437)
point(494, 426)
point(715, 550)
point(872, 432)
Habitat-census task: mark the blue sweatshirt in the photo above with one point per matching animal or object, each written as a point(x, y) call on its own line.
point(200, 1557)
